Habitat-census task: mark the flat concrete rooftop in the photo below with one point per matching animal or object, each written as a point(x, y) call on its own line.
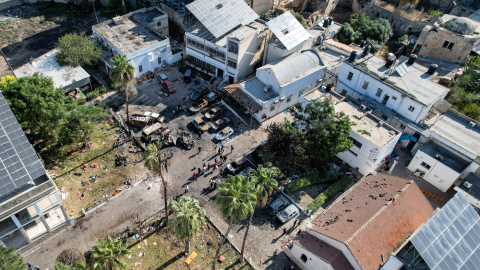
point(257, 88)
point(416, 82)
point(456, 130)
point(377, 131)
point(448, 159)
point(241, 32)
point(133, 34)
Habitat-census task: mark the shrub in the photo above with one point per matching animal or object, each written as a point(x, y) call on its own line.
point(93, 95)
point(6, 79)
point(81, 101)
point(342, 182)
point(311, 179)
point(346, 34)
point(317, 202)
point(102, 90)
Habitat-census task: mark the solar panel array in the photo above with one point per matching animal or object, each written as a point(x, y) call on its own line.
point(288, 30)
point(450, 239)
point(19, 163)
point(221, 16)
point(402, 69)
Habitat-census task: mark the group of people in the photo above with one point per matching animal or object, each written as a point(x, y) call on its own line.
point(30, 267)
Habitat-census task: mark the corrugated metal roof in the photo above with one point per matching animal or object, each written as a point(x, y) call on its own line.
point(19, 163)
point(47, 64)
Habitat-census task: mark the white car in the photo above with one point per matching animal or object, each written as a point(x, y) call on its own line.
point(224, 134)
point(288, 213)
point(211, 97)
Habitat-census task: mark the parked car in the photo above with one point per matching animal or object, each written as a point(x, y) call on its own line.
point(235, 166)
point(198, 106)
point(277, 205)
point(224, 134)
point(211, 97)
point(246, 171)
point(187, 76)
point(287, 214)
point(169, 86)
point(199, 124)
point(162, 77)
point(213, 113)
point(199, 93)
point(220, 123)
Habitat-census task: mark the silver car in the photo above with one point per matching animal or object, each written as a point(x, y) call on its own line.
point(288, 213)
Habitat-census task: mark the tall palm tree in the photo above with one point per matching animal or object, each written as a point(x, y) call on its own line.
point(237, 200)
point(122, 73)
point(189, 220)
point(107, 254)
point(158, 162)
point(264, 182)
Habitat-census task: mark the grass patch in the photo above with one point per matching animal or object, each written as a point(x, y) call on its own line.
point(311, 179)
point(342, 182)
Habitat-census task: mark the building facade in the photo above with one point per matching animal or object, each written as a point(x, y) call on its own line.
point(30, 205)
point(141, 36)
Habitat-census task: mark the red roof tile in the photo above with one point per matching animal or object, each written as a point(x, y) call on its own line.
point(324, 251)
point(374, 217)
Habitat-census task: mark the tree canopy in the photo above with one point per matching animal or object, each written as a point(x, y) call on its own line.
point(9, 259)
point(77, 50)
point(79, 123)
point(374, 32)
point(108, 253)
point(325, 133)
point(36, 104)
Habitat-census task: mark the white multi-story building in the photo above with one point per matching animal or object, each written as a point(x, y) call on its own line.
point(140, 35)
point(373, 139)
point(402, 95)
point(228, 42)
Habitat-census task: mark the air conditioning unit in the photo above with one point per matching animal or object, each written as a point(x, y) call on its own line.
point(363, 107)
point(472, 124)
point(275, 102)
point(282, 98)
point(439, 157)
point(467, 184)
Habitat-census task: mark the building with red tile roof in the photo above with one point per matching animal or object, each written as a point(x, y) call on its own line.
point(367, 223)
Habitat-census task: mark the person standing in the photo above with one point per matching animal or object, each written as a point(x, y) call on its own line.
point(199, 171)
point(204, 168)
point(214, 166)
point(186, 188)
point(199, 149)
point(231, 148)
point(295, 223)
point(284, 231)
point(194, 176)
point(171, 153)
point(30, 267)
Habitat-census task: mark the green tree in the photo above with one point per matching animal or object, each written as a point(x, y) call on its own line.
point(471, 110)
point(327, 132)
point(122, 73)
point(9, 259)
point(285, 145)
point(5, 80)
point(79, 123)
point(189, 220)
point(107, 254)
point(264, 183)
point(157, 161)
point(346, 34)
point(237, 200)
point(77, 50)
point(36, 103)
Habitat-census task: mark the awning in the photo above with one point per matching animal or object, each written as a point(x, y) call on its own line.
point(241, 97)
point(406, 137)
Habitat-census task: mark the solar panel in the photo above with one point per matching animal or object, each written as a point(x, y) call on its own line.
point(402, 69)
point(221, 16)
point(19, 163)
point(288, 30)
point(449, 240)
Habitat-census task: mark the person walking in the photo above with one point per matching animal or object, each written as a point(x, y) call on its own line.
point(299, 232)
point(204, 168)
point(214, 166)
point(222, 149)
point(199, 149)
point(171, 153)
point(295, 223)
point(186, 188)
point(215, 160)
point(199, 171)
point(208, 166)
point(284, 231)
point(30, 267)
point(194, 176)
point(199, 135)
point(231, 148)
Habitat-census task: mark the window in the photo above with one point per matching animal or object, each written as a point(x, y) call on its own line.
point(289, 99)
point(259, 46)
point(353, 153)
point(159, 59)
point(379, 92)
point(350, 76)
point(140, 68)
point(272, 108)
point(159, 23)
point(448, 44)
point(355, 142)
point(425, 165)
point(344, 92)
point(303, 258)
point(411, 108)
point(402, 126)
point(365, 85)
point(231, 63)
point(394, 98)
point(233, 47)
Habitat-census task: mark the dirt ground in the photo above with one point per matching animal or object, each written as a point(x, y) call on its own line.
point(29, 31)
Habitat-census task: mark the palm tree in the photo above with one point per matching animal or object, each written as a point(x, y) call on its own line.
point(237, 200)
point(122, 73)
point(190, 218)
point(107, 254)
point(158, 162)
point(264, 182)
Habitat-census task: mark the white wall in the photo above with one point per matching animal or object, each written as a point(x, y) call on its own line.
point(364, 161)
point(355, 90)
point(148, 57)
point(439, 175)
point(313, 262)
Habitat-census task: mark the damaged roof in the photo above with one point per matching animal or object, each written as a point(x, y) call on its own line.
point(374, 217)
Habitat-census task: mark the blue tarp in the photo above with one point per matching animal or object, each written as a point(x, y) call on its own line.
point(408, 137)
